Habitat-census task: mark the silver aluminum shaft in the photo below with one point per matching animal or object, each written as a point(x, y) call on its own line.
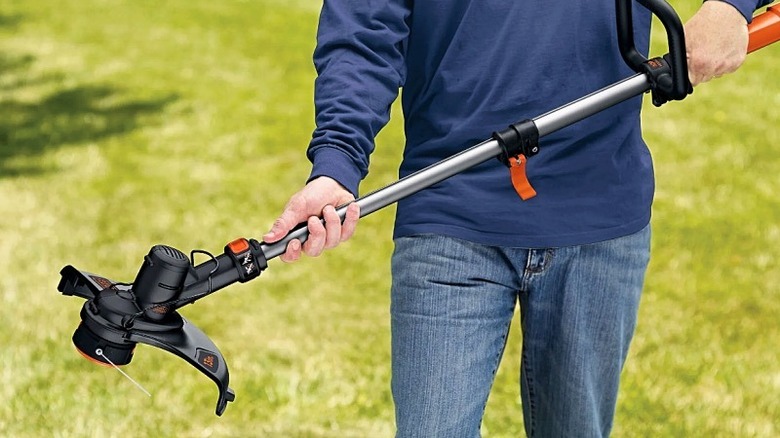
point(546, 124)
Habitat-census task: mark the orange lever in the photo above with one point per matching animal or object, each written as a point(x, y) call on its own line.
point(765, 29)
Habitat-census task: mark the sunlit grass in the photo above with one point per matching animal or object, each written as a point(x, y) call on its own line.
point(125, 124)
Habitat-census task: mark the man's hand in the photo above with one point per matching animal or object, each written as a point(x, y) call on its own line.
point(319, 197)
point(716, 40)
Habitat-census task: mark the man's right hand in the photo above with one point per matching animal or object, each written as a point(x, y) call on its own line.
point(319, 197)
point(716, 40)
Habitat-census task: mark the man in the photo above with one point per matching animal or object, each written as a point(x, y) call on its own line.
point(468, 249)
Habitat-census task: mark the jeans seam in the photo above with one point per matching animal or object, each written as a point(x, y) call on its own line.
point(530, 387)
point(529, 273)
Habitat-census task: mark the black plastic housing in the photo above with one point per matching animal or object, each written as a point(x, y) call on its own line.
point(160, 280)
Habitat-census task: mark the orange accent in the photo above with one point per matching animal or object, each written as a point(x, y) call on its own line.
point(93, 360)
point(238, 246)
point(519, 178)
point(160, 309)
point(765, 29)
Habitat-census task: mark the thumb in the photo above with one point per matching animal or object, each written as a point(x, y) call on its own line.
point(283, 224)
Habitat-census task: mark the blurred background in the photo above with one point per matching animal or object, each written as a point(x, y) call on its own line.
point(125, 124)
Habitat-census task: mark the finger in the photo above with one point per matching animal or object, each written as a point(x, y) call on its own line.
point(350, 221)
point(276, 232)
point(293, 252)
point(698, 72)
point(315, 243)
point(290, 217)
point(332, 227)
point(693, 69)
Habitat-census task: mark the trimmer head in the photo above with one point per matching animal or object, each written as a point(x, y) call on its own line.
point(100, 351)
point(117, 316)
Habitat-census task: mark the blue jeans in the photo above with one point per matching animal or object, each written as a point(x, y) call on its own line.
point(452, 304)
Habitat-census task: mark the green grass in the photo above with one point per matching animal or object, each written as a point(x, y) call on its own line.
point(125, 124)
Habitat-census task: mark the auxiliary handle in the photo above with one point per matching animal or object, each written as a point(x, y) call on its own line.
point(668, 85)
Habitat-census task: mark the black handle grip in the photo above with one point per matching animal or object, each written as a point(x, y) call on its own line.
point(679, 86)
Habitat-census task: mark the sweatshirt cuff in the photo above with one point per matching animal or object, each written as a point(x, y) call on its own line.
point(745, 7)
point(335, 164)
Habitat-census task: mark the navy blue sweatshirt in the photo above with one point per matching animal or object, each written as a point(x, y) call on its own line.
point(471, 67)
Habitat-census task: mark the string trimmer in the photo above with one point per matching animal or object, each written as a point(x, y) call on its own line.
point(117, 316)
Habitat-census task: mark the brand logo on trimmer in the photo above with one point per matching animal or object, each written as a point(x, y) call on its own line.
point(104, 283)
point(208, 360)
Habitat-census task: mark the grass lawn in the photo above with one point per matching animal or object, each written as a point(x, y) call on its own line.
point(129, 123)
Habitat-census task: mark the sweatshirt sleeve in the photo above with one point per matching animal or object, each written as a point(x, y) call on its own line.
point(360, 67)
point(747, 7)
